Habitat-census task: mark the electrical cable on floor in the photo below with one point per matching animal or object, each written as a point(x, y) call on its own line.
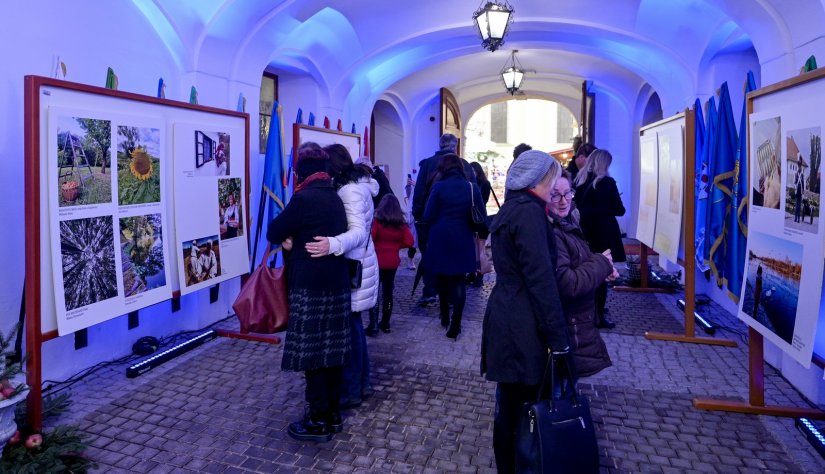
point(55, 387)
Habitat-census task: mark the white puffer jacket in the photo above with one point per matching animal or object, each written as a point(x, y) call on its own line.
point(357, 199)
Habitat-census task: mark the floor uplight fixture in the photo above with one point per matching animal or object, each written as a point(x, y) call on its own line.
point(512, 74)
point(493, 20)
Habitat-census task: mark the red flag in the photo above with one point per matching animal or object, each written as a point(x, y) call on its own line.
point(326, 123)
point(366, 141)
point(340, 127)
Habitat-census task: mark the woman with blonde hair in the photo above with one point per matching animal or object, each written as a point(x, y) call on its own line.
point(599, 203)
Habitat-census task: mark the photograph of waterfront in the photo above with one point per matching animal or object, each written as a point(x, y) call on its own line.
point(774, 272)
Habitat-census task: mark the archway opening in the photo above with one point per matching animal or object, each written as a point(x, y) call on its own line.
point(494, 130)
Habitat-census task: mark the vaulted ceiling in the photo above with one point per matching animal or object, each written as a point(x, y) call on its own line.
point(360, 51)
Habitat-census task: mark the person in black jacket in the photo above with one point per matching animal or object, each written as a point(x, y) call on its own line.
point(427, 176)
point(579, 160)
point(598, 201)
point(318, 332)
point(524, 318)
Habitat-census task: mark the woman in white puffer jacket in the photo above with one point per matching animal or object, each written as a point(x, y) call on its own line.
point(356, 189)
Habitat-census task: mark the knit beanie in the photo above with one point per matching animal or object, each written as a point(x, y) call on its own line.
point(528, 169)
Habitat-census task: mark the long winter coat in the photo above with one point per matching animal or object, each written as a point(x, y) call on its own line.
point(451, 249)
point(356, 243)
point(524, 315)
point(427, 176)
point(318, 333)
point(598, 207)
point(579, 271)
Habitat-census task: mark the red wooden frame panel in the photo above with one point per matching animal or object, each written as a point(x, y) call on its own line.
point(31, 120)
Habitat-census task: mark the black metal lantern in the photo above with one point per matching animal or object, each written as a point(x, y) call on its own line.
point(493, 20)
point(512, 74)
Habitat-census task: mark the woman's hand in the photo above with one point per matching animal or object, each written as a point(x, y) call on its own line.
point(287, 244)
point(607, 254)
point(319, 248)
point(613, 276)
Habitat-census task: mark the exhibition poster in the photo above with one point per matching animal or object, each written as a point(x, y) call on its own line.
point(648, 192)
point(671, 180)
point(784, 258)
point(107, 215)
point(210, 220)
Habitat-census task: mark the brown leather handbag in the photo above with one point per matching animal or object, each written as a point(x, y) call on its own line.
point(262, 305)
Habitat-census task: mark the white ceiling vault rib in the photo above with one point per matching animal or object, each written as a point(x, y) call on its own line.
point(359, 50)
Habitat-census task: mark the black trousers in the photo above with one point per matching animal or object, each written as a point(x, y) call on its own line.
point(510, 400)
point(386, 277)
point(323, 390)
point(430, 290)
point(601, 299)
point(452, 290)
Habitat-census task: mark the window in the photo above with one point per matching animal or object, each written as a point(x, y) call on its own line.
point(269, 94)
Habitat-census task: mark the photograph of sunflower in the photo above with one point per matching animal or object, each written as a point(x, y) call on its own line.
point(138, 165)
point(87, 248)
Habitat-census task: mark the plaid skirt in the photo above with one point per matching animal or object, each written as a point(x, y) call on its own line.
point(318, 332)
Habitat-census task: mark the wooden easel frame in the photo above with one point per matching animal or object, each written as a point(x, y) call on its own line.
point(35, 337)
point(756, 357)
point(689, 229)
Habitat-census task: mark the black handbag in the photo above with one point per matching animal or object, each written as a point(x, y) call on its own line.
point(356, 269)
point(477, 219)
point(556, 435)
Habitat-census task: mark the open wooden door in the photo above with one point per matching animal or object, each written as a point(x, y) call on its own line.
point(450, 117)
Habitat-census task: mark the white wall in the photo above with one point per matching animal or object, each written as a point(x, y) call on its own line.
point(139, 58)
point(389, 147)
point(614, 132)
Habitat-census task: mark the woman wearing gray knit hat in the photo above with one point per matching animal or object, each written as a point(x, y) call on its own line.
point(524, 318)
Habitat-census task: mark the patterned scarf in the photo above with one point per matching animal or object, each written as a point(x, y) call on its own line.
point(319, 176)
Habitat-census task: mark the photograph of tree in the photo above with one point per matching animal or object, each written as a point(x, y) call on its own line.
point(774, 273)
point(229, 204)
point(201, 259)
point(83, 148)
point(138, 165)
point(88, 257)
point(141, 253)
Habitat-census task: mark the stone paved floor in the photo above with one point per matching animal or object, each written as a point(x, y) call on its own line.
point(224, 407)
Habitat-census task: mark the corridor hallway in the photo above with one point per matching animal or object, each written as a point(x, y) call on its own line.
point(224, 407)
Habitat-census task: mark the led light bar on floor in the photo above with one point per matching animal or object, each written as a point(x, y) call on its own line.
point(705, 325)
point(814, 436)
point(161, 357)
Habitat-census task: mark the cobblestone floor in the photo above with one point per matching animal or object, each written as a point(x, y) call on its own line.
point(224, 407)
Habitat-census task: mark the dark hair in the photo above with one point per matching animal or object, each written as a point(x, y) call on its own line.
point(520, 148)
point(481, 177)
point(449, 162)
point(389, 213)
point(585, 149)
point(341, 168)
point(311, 159)
point(448, 141)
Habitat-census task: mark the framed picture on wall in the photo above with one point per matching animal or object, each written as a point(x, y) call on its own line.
point(269, 94)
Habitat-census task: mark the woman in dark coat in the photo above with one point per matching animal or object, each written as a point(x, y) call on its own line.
point(318, 333)
point(524, 317)
point(599, 202)
point(451, 251)
point(476, 278)
point(578, 273)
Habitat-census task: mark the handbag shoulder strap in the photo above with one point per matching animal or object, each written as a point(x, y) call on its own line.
point(472, 201)
point(569, 377)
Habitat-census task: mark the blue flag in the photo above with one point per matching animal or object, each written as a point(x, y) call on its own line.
point(300, 117)
point(311, 120)
point(703, 194)
point(353, 128)
point(724, 174)
point(738, 224)
point(274, 166)
point(700, 184)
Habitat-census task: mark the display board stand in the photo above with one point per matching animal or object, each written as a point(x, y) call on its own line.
point(644, 268)
point(689, 229)
point(33, 123)
point(756, 357)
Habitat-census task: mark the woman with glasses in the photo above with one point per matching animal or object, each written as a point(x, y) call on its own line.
point(578, 273)
point(598, 201)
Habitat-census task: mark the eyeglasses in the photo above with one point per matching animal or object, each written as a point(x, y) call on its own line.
point(555, 197)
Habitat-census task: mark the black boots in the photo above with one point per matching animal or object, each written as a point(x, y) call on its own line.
point(455, 327)
point(384, 325)
point(314, 427)
point(372, 329)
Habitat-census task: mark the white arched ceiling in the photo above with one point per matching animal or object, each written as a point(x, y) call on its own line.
point(357, 51)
